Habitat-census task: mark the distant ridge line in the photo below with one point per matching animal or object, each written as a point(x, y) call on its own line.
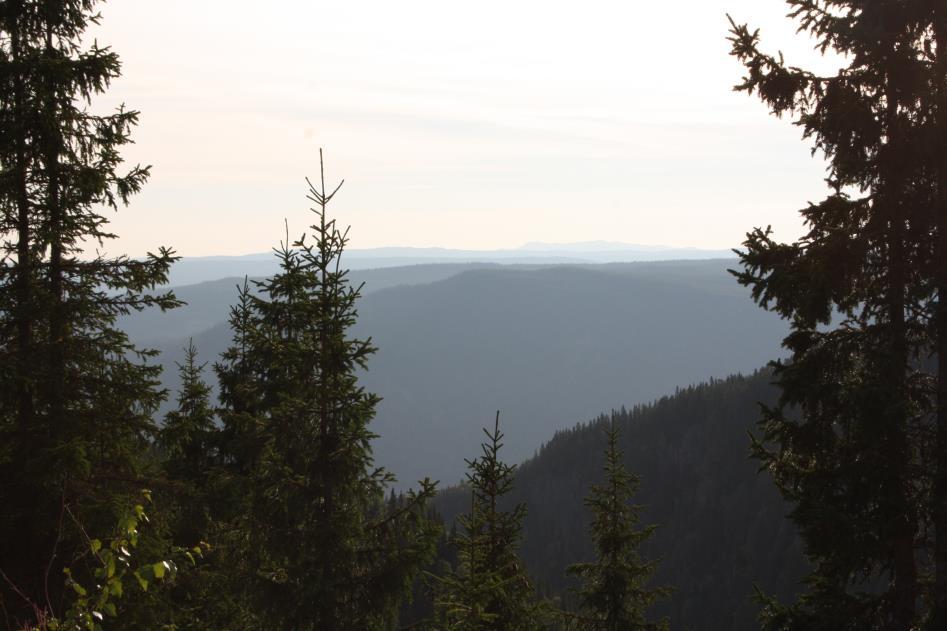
point(586, 249)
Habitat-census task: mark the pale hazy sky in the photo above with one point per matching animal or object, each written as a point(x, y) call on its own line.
point(467, 125)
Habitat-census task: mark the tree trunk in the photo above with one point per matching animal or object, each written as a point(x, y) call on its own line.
point(901, 508)
point(940, 322)
point(55, 216)
point(24, 267)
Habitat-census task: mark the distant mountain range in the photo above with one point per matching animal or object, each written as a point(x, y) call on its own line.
point(545, 344)
point(208, 302)
point(191, 270)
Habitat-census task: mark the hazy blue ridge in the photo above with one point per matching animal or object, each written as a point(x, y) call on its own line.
point(191, 270)
point(545, 345)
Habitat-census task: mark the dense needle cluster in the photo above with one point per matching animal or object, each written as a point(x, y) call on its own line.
point(864, 460)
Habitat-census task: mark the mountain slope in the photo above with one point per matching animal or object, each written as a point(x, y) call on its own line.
point(546, 346)
point(208, 302)
point(721, 525)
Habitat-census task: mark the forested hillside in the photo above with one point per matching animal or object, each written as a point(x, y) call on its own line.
point(274, 462)
point(722, 527)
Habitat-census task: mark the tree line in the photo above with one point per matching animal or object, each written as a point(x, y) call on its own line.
point(267, 510)
point(722, 527)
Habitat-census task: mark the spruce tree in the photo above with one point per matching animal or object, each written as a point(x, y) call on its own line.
point(614, 595)
point(188, 435)
point(198, 499)
point(188, 443)
point(489, 589)
point(76, 398)
point(846, 442)
point(934, 154)
point(323, 551)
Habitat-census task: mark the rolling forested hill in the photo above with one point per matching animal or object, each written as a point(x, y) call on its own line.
point(721, 525)
point(547, 345)
point(207, 302)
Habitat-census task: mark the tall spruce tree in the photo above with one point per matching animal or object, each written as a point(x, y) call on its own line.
point(935, 155)
point(323, 551)
point(614, 594)
point(489, 589)
point(854, 290)
point(76, 398)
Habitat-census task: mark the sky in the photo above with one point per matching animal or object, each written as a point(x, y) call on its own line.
point(464, 125)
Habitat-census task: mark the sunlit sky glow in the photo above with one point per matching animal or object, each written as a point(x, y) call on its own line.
point(465, 125)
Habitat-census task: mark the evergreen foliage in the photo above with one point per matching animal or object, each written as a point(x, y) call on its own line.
point(76, 398)
point(282, 479)
point(188, 447)
point(189, 434)
point(931, 152)
point(858, 292)
point(322, 551)
point(489, 589)
point(723, 528)
point(614, 594)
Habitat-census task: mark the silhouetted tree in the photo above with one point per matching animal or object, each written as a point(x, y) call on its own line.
point(489, 588)
point(854, 290)
point(934, 154)
point(188, 435)
point(323, 549)
point(188, 444)
point(76, 398)
point(614, 595)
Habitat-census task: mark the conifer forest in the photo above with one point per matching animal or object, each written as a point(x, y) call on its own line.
point(332, 439)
